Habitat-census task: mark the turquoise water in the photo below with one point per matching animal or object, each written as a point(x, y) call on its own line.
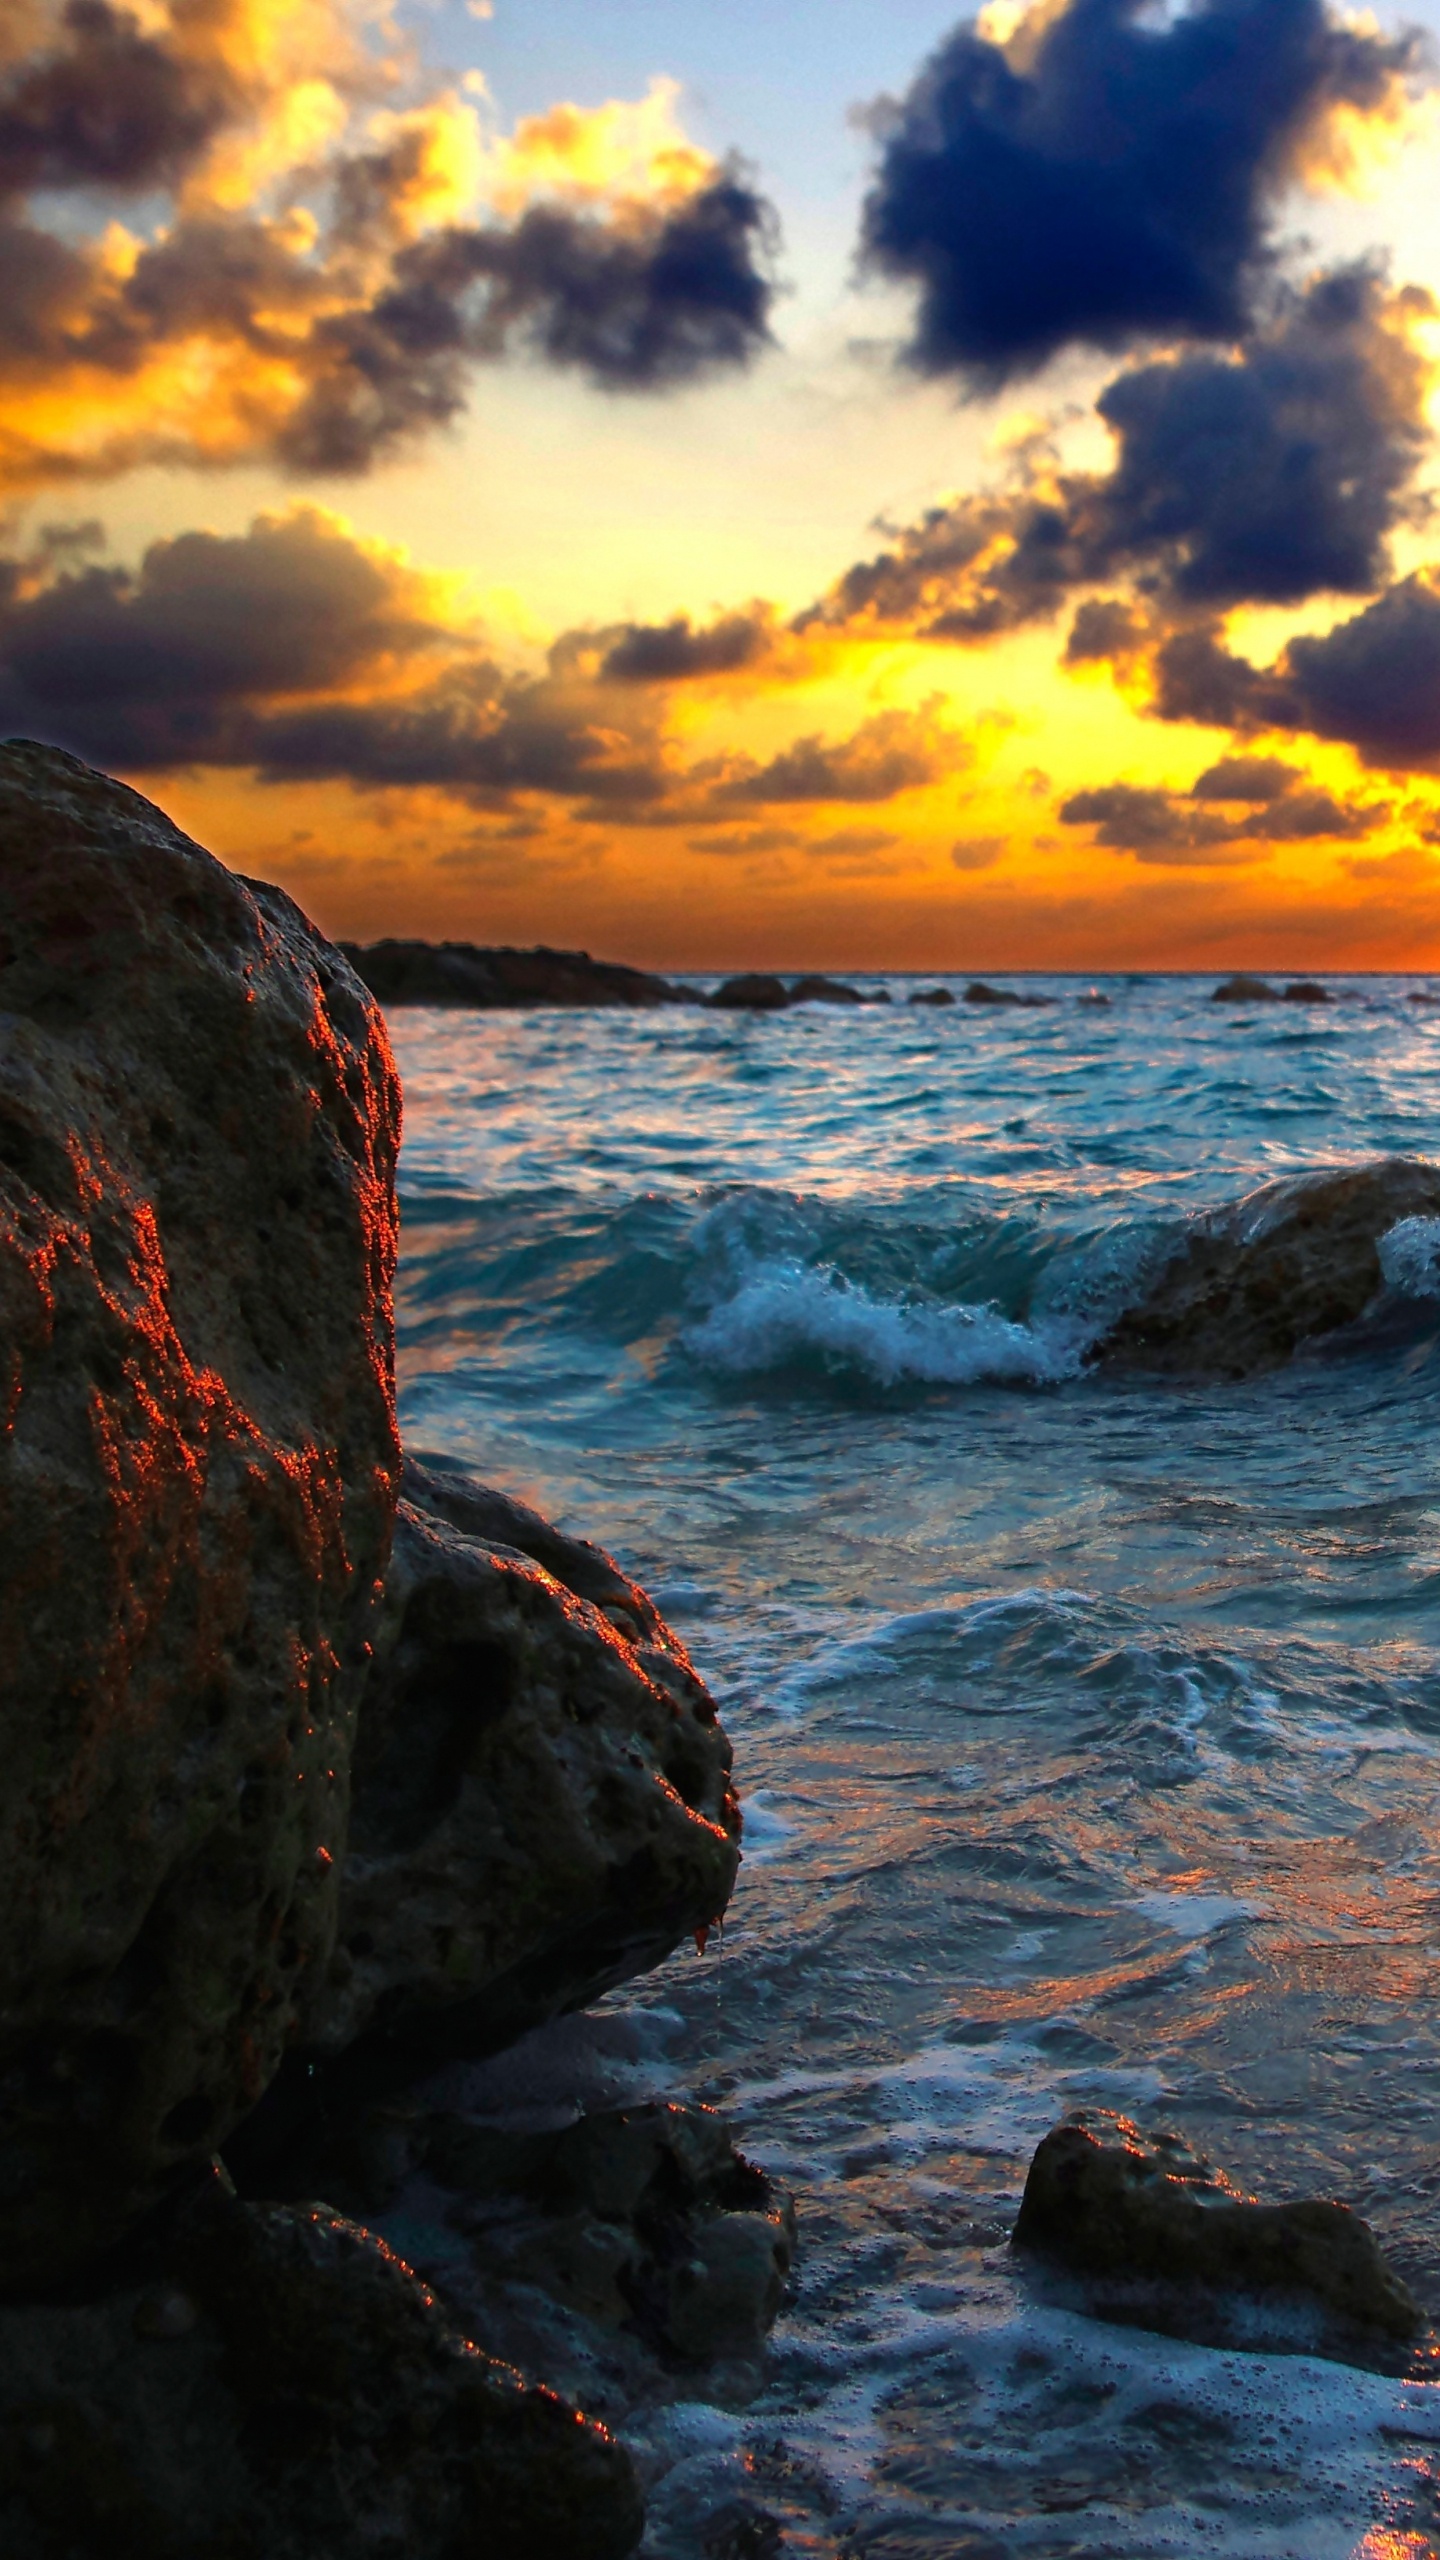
point(1089, 1729)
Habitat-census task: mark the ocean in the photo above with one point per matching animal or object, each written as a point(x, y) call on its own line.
point(1087, 1727)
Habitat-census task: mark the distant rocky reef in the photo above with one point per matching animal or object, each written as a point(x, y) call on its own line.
point(323, 1769)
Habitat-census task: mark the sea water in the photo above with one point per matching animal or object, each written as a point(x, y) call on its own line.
point(1088, 1729)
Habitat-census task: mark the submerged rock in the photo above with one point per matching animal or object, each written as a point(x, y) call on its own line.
point(198, 1125)
point(1243, 989)
point(1106, 2202)
point(541, 1804)
point(314, 2399)
point(500, 979)
point(1251, 1283)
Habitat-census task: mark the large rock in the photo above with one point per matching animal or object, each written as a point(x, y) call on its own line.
point(283, 2387)
point(498, 978)
point(541, 1806)
point(198, 1125)
point(1111, 2205)
point(1250, 1283)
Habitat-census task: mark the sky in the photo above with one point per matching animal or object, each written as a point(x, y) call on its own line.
point(833, 486)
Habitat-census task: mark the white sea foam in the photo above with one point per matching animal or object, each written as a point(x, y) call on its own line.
point(1196, 1915)
point(1410, 1257)
point(785, 1311)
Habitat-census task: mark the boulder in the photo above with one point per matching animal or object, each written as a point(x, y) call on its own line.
point(198, 1126)
point(754, 992)
point(1305, 991)
point(931, 995)
point(541, 1805)
point(1250, 1284)
point(501, 979)
point(1106, 2202)
point(281, 2386)
point(1243, 989)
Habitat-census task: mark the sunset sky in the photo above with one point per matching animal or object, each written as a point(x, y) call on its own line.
point(827, 485)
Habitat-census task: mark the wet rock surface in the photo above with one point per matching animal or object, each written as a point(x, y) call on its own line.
point(754, 991)
point(198, 1125)
point(500, 979)
point(1251, 1284)
point(285, 2386)
point(1163, 2234)
point(541, 1807)
point(1242, 988)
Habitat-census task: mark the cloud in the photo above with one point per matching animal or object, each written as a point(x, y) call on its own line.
point(1185, 830)
point(892, 752)
point(1266, 474)
point(1107, 176)
point(977, 853)
point(671, 652)
point(312, 277)
point(1371, 683)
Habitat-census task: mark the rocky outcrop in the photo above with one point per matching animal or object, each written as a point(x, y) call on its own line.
point(1112, 2206)
point(464, 973)
point(541, 1809)
point(931, 995)
point(198, 1125)
point(280, 2386)
point(758, 992)
point(1250, 1284)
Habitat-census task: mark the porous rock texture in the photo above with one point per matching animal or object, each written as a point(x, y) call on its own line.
point(198, 1124)
point(1111, 2205)
point(542, 1803)
point(283, 2386)
point(1251, 1283)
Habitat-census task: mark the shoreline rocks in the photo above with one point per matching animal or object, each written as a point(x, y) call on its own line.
point(498, 978)
point(1113, 2206)
point(307, 1792)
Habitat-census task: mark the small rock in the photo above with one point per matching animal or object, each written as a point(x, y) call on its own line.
point(643, 2217)
point(931, 995)
point(752, 993)
point(1110, 2204)
point(1243, 989)
point(1305, 991)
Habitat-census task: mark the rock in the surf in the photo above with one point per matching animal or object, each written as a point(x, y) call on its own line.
point(980, 991)
point(1251, 1283)
point(1305, 991)
point(198, 1125)
point(278, 2385)
point(1110, 2204)
point(542, 1803)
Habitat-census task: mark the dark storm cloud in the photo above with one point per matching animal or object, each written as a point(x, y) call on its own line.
point(1175, 829)
point(478, 734)
point(1263, 476)
point(1108, 177)
point(105, 106)
point(1372, 683)
point(164, 666)
point(671, 652)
